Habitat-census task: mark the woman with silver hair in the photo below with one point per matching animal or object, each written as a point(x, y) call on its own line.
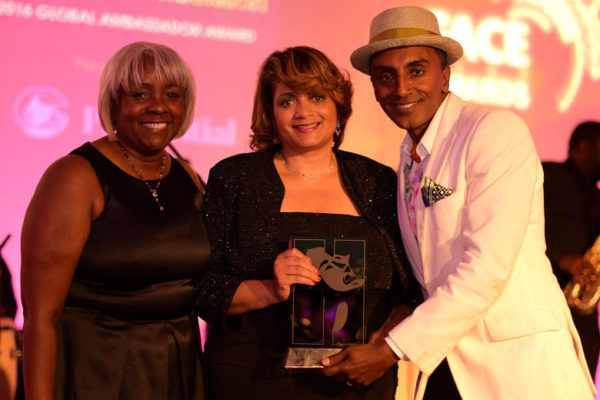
point(113, 247)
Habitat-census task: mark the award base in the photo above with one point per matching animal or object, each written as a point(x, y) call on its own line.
point(308, 357)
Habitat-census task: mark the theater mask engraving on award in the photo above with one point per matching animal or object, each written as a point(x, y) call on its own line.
point(331, 314)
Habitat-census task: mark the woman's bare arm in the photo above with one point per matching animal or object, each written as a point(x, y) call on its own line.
point(55, 229)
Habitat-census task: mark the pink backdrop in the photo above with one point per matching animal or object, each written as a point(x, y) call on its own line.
point(541, 59)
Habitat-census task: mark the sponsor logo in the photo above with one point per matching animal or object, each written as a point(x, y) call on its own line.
point(40, 112)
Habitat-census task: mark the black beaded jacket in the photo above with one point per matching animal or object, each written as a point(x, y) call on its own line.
point(247, 188)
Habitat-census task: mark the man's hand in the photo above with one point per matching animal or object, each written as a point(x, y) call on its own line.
point(361, 364)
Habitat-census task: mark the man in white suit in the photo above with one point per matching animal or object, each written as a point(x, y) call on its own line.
point(470, 208)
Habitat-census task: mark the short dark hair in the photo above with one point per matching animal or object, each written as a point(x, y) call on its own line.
point(443, 57)
point(588, 131)
point(304, 69)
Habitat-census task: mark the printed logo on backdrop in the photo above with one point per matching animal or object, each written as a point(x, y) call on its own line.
point(205, 131)
point(502, 45)
point(41, 112)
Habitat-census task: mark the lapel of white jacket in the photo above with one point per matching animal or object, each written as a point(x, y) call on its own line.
point(439, 168)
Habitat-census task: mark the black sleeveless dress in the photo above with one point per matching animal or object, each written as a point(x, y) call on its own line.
point(128, 330)
point(245, 358)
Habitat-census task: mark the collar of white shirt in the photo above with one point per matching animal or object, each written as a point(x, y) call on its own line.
point(423, 150)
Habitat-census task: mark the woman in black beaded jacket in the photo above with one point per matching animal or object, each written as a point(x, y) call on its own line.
point(296, 183)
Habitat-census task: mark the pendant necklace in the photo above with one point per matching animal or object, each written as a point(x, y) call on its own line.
point(153, 190)
point(293, 171)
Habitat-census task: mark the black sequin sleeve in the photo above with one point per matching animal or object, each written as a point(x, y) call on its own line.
point(222, 278)
point(243, 196)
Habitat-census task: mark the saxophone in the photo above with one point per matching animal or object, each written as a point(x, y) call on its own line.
point(583, 291)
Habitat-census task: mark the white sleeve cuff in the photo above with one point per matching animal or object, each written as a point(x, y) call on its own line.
point(399, 353)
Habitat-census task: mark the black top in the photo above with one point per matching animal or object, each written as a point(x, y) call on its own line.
point(247, 230)
point(127, 329)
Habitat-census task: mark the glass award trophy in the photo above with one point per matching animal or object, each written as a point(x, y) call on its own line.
point(331, 314)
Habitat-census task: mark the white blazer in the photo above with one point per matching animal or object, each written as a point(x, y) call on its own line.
point(493, 306)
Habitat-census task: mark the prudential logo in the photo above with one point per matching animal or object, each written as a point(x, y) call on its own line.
point(40, 112)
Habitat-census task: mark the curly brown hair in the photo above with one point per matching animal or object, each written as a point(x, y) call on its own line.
point(302, 69)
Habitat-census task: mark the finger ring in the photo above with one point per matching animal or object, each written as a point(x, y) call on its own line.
point(349, 383)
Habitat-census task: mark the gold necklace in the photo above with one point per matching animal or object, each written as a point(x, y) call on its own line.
point(153, 190)
point(293, 171)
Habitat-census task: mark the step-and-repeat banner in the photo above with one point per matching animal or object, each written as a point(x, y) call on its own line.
point(538, 58)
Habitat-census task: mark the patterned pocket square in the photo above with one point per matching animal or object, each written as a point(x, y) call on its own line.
point(433, 192)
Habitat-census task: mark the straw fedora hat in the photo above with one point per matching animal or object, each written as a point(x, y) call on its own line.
point(401, 27)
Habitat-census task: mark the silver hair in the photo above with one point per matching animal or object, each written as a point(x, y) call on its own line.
point(126, 69)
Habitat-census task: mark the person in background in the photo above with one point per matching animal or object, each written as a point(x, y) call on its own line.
point(8, 303)
point(9, 348)
point(572, 209)
point(494, 323)
point(113, 247)
point(296, 183)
